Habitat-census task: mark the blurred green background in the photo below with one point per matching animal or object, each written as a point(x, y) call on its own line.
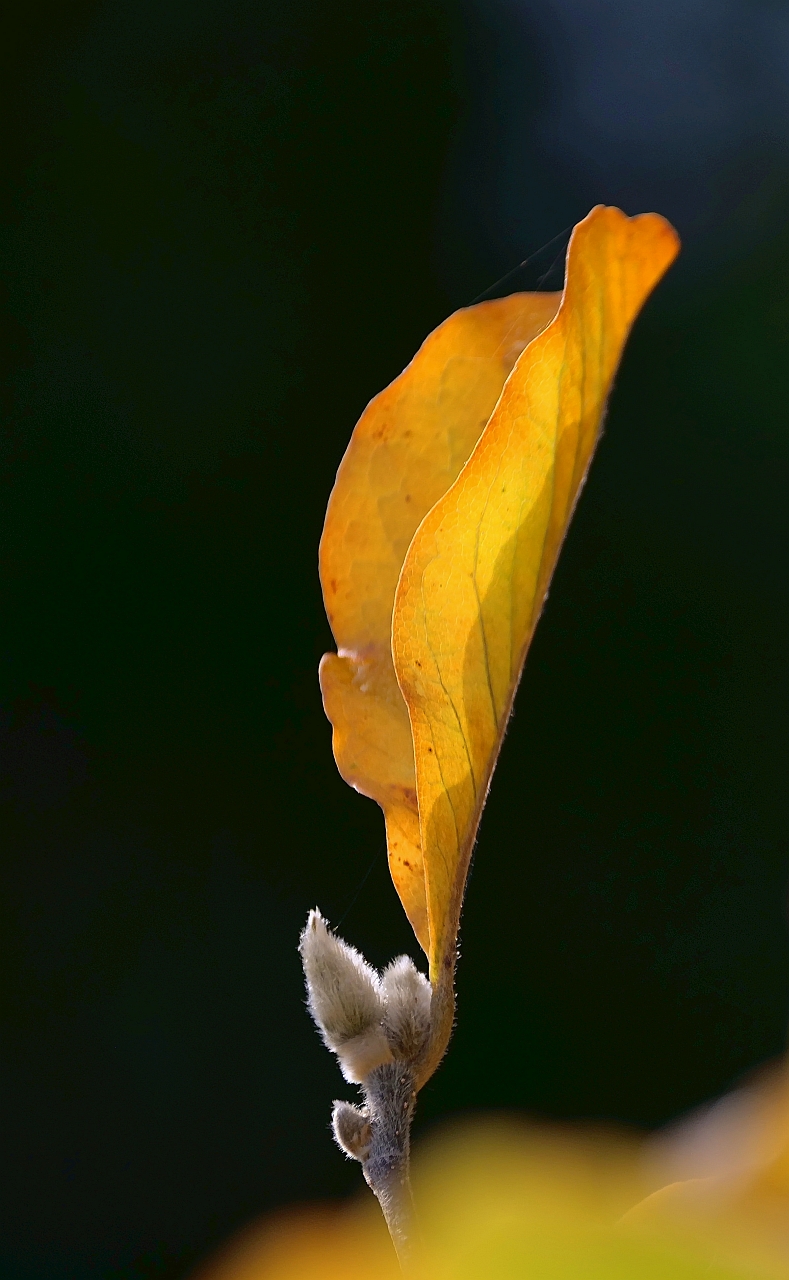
point(224, 228)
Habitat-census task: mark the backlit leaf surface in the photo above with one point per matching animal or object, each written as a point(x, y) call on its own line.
point(405, 452)
point(476, 573)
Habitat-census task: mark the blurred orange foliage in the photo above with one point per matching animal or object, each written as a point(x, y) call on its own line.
point(502, 1200)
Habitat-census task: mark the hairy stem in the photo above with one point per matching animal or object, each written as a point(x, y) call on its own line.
point(442, 1022)
point(390, 1097)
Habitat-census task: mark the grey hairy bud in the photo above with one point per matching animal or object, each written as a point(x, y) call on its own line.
point(344, 997)
point(406, 994)
point(352, 1130)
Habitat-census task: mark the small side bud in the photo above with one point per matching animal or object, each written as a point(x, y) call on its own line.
point(352, 1131)
point(406, 995)
point(344, 999)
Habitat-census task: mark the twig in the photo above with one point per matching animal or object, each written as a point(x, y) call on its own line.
point(389, 1033)
point(390, 1098)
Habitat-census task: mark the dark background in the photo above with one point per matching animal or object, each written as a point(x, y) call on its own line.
point(224, 227)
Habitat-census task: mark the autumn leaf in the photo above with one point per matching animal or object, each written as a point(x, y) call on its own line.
point(441, 536)
point(408, 447)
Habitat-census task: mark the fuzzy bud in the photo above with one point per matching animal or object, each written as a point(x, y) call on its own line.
point(352, 1131)
point(344, 999)
point(406, 994)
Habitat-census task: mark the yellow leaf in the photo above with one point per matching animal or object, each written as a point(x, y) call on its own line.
point(406, 450)
point(477, 571)
point(459, 488)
